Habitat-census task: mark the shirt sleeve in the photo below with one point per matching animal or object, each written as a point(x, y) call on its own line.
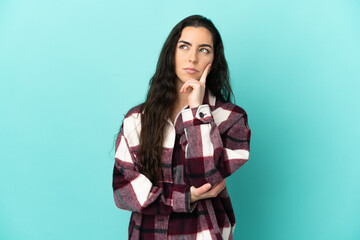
point(211, 156)
point(134, 191)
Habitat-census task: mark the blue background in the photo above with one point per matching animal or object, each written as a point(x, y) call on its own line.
point(70, 70)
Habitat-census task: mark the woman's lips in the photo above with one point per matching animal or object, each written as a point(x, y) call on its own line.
point(191, 70)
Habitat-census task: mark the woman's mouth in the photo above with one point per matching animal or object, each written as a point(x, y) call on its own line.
point(191, 70)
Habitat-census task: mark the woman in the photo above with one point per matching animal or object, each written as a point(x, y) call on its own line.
point(174, 152)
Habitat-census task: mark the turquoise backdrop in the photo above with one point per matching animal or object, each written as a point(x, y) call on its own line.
point(70, 70)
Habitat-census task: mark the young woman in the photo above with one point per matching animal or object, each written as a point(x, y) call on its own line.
point(174, 151)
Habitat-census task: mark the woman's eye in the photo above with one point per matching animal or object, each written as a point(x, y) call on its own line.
point(204, 50)
point(183, 47)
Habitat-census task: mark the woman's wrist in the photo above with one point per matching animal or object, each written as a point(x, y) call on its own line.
point(194, 105)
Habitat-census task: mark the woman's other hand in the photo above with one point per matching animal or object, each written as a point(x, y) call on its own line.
point(205, 191)
point(196, 96)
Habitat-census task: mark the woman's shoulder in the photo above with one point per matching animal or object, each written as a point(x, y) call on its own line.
point(131, 125)
point(134, 111)
point(132, 118)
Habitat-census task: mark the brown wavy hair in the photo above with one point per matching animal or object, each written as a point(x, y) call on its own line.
point(162, 94)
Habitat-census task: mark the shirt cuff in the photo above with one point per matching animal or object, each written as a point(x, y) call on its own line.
point(196, 116)
point(181, 200)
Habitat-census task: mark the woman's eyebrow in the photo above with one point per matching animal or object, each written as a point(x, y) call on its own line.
point(201, 45)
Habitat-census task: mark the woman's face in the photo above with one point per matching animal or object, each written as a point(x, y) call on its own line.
point(194, 51)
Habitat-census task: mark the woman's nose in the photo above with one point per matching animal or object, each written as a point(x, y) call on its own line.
point(193, 57)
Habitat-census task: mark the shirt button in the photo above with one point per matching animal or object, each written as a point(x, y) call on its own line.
point(201, 115)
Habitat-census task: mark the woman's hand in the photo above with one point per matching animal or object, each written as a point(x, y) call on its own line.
point(205, 191)
point(196, 96)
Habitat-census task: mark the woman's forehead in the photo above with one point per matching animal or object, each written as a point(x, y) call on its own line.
point(196, 35)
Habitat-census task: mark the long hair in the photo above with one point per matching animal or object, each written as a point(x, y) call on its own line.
point(162, 94)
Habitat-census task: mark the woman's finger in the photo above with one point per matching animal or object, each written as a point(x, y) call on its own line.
point(203, 189)
point(184, 88)
point(218, 188)
point(189, 83)
point(205, 73)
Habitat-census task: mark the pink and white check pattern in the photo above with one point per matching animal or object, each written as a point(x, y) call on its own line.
point(206, 145)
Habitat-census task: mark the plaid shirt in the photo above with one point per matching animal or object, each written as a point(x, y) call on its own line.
point(206, 145)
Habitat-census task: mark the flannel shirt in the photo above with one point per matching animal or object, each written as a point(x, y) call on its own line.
point(205, 145)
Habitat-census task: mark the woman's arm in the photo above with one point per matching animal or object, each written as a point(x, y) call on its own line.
point(209, 155)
